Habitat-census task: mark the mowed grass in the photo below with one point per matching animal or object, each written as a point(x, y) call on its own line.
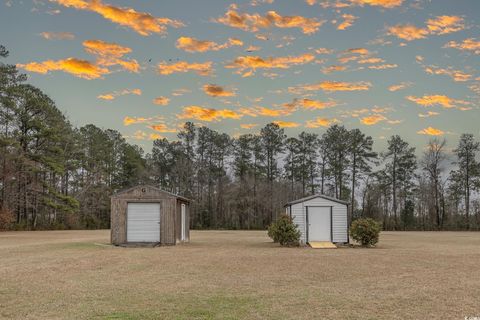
point(238, 275)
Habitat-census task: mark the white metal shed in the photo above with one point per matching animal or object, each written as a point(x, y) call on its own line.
point(320, 218)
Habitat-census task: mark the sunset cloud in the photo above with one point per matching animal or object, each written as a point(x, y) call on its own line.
point(334, 68)
point(161, 127)
point(316, 104)
point(141, 22)
point(247, 65)
point(373, 119)
point(383, 66)
point(378, 3)
point(110, 54)
point(77, 67)
point(469, 44)
point(135, 120)
point(437, 26)
point(255, 22)
point(348, 21)
point(456, 75)
point(58, 35)
point(428, 114)
point(202, 69)
point(194, 45)
point(208, 114)
point(331, 86)
point(431, 131)
point(320, 122)
point(399, 86)
point(286, 124)
point(161, 101)
point(214, 90)
point(115, 94)
point(432, 100)
point(248, 125)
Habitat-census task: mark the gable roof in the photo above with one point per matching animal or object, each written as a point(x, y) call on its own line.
point(152, 187)
point(318, 195)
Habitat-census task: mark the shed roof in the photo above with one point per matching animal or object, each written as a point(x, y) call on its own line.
point(153, 187)
point(318, 195)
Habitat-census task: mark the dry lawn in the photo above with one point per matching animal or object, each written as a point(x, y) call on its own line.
point(238, 275)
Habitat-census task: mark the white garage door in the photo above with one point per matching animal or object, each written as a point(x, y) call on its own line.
point(319, 226)
point(143, 222)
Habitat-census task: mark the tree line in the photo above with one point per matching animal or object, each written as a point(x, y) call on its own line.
point(53, 175)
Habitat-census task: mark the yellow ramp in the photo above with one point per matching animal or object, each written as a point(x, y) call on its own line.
point(322, 245)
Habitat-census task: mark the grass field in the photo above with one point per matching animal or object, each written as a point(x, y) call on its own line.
point(238, 275)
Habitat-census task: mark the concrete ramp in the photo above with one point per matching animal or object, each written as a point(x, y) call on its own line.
point(322, 245)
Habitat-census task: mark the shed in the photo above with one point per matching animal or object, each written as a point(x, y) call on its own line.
point(146, 214)
point(320, 218)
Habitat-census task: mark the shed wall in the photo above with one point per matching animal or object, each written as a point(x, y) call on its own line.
point(118, 215)
point(339, 218)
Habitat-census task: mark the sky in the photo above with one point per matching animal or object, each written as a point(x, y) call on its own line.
point(407, 67)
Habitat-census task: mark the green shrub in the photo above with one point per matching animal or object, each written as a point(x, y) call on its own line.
point(366, 231)
point(284, 231)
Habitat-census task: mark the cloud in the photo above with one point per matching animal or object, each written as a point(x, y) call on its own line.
point(252, 48)
point(248, 125)
point(316, 104)
point(334, 68)
point(77, 67)
point(442, 100)
point(161, 101)
point(332, 86)
point(247, 65)
point(408, 32)
point(320, 122)
point(202, 69)
point(115, 94)
point(141, 22)
point(431, 131)
point(110, 54)
point(383, 66)
point(378, 3)
point(348, 21)
point(469, 44)
point(445, 24)
point(214, 90)
point(135, 120)
point(268, 112)
point(194, 45)
point(286, 124)
point(373, 119)
point(58, 35)
point(428, 114)
point(436, 26)
point(456, 75)
point(208, 114)
point(370, 60)
point(255, 22)
point(180, 92)
point(399, 86)
point(141, 135)
point(161, 127)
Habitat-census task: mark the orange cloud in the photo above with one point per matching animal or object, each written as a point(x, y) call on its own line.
point(316, 104)
point(248, 64)
point(162, 128)
point(373, 119)
point(320, 122)
point(431, 131)
point(208, 114)
point(286, 124)
point(431, 100)
point(428, 114)
point(370, 60)
point(334, 68)
point(248, 125)
point(134, 120)
point(399, 86)
point(58, 35)
point(194, 45)
point(161, 101)
point(408, 32)
point(217, 91)
point(348, 21)
point(141, 135)
point(383, 66)
point(115, 94)
point(203, 69)
point(445, 24)
point(79, 68)
point(255, 22)
point(469, 44)
point(110, 54)
point(332, 86)
point(141, 22)
point(456, 75)
point(378, 3)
